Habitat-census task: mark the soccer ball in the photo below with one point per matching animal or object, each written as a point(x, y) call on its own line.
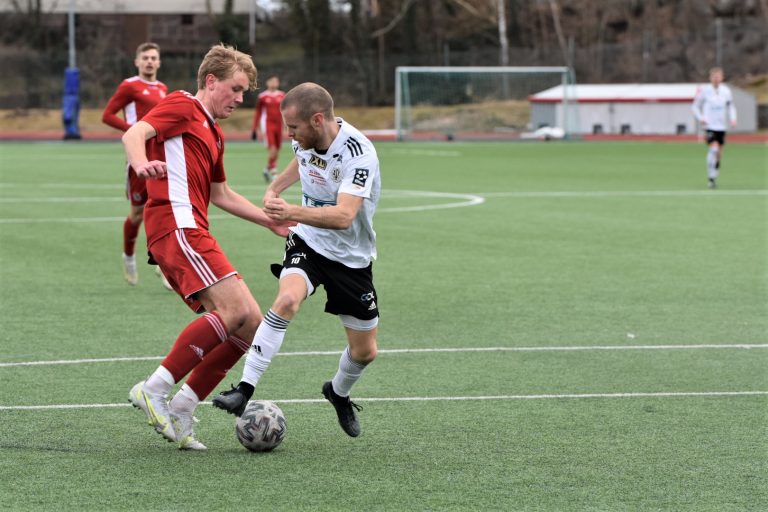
point(261, 427)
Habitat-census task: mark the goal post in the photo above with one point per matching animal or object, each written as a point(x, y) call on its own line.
point(493, 102)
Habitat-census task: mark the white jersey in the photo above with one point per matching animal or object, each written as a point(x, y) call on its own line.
point(349, 166)
point(714, 107)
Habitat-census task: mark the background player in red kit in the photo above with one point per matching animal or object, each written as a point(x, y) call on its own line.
point(268, 124)
point(135, 96)
point(179, 145)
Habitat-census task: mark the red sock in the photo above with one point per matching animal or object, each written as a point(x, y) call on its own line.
point(272, 163)
point(208, 374)
point(196, 340)
point(130, 232)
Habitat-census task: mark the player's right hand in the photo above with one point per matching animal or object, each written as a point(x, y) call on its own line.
point(152, 170)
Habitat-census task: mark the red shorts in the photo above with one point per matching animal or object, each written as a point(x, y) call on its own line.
point(274, 136)
point(135, 188)
point(192, 261)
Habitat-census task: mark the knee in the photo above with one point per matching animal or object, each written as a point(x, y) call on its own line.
point(136, 216)
point(364, 354)
point(236, 317)
point(287, 305)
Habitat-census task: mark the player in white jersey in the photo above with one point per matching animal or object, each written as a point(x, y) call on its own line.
point(714, 109)
point(333, 245)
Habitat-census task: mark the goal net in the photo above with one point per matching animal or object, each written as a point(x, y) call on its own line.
point(461, 103)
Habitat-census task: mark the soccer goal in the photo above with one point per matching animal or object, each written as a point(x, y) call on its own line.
point(462, 103)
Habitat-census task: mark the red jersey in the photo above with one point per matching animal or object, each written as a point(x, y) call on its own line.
point(191, 144)
point(268, 110)
point(135, 97)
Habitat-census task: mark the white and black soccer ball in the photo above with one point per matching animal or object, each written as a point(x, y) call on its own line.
point(261, 427)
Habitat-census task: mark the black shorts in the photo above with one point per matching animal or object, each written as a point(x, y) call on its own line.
point(349, 291)
point(715, 136)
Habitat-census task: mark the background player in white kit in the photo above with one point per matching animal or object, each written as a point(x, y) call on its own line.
point(713, 107)
point(333, 244)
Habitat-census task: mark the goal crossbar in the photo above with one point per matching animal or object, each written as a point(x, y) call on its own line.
point(472, 85)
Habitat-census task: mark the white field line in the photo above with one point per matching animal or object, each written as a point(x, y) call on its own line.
point(466, 200)
point(626, 193)
point(741, 346)
point(575, 396)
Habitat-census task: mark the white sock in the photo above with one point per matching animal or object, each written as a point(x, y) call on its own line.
point(185, 400)
point(712, 171)
point(160, 382)
point(348, 373)
point(266, 343)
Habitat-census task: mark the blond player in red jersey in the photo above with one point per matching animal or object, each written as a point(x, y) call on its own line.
point(178, 148)
point(268, 124)
point(135, 97)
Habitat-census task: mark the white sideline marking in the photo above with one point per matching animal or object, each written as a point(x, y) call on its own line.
point(663, 394)
point(628, 193)
point(740, 346)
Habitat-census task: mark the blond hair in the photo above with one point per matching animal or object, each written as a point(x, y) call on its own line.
point(143, 47)
point(309, 99)
point(223, 62)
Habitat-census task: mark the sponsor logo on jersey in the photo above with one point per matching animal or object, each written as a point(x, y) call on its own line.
point(361, 176)
point(316, 177)
point(318, 162)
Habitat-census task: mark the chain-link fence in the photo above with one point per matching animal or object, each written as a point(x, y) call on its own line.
point(33, 78)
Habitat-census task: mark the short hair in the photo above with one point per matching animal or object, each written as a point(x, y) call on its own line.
point(309, 98)
point(223, 62)
point(716, 69)
point(143, 47)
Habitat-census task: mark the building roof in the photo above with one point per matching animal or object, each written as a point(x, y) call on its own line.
point(620, 93)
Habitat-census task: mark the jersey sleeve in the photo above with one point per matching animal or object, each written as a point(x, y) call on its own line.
point(359, 174)
point(171, 116)
point(696, 105)
point(116, 103)
point(731, 108)
point(257, 114)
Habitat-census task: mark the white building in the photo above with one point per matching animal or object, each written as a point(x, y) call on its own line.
point(631, 108)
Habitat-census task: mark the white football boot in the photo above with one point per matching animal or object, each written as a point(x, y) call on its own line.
point(136, 397)
point(129, 270)
point(163, 280)
point(156, 407)
point(183, 423)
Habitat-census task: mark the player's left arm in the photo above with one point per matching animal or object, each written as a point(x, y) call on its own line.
point(232, 202)
point(732, 111)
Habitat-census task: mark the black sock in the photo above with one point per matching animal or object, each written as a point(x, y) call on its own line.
point(246, 389)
